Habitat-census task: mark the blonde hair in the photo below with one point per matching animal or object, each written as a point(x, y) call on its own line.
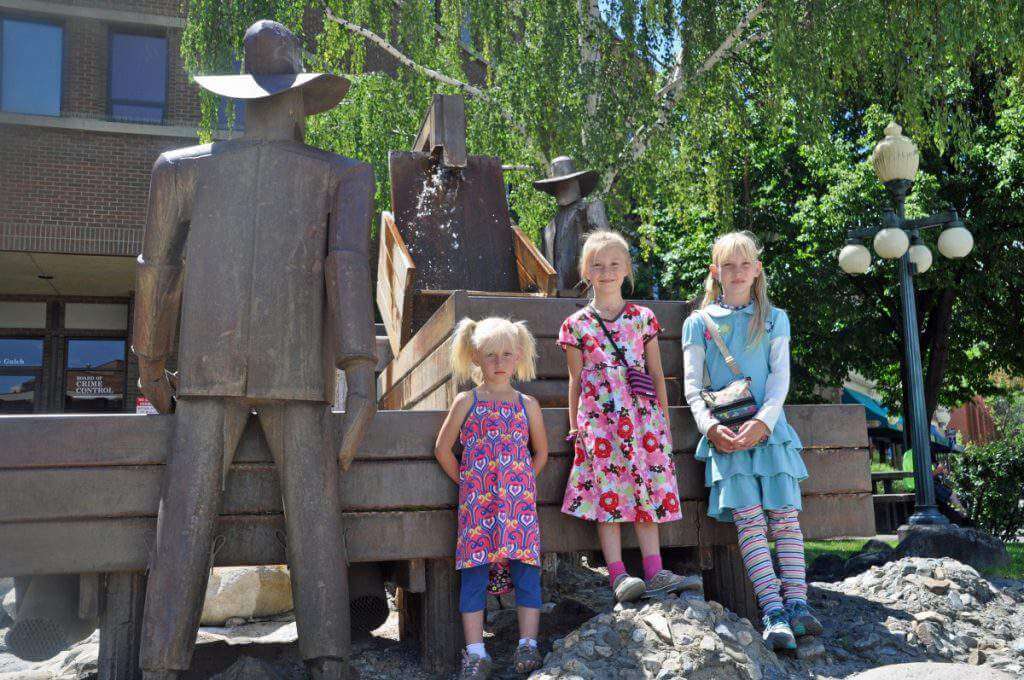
point(479, 336)
point(745, 244)
point(600, 240)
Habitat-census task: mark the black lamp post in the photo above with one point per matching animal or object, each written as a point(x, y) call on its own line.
point(896, 159)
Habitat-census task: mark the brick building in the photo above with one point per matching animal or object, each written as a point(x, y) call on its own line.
point(91, 92)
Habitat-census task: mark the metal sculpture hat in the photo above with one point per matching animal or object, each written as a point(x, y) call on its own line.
point(563, 169)
point(273, 64)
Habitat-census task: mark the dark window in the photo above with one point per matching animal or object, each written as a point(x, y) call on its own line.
point(21, 352)
point(30, 66)
point(94, 379)
point(17, 392)
point(138, 77)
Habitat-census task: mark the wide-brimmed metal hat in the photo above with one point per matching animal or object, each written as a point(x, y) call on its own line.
point(273, 64)
point(563, 169)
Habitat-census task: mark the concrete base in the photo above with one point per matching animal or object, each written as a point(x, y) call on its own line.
point(930, 671)
point(965, 545)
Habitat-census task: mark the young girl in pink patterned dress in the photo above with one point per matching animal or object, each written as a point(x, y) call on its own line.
point(496, 426)
point(623, 469)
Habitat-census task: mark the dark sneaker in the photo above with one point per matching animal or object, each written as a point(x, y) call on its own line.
point(665, 582)
point(802, 620)
point(527, 659)
point(475, 667)
point(777, 633)
point(628, 588)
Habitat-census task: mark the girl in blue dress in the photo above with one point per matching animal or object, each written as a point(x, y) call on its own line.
point(753, 470)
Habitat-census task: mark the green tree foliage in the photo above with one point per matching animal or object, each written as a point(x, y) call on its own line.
point(989, 478)
point(702, 122)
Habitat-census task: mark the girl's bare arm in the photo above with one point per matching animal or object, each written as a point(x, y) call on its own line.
point(575, 360)
point(538, 434)
point(449, 434)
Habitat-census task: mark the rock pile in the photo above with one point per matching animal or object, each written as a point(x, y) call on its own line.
point(919, 609)
point(911, 610)
point(672, 637)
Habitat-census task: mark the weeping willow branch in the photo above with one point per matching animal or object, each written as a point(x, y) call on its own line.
point(669, 95)
point(469, 89)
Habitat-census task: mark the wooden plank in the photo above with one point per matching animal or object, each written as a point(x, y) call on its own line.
point(253, 488)
point(435, 369)
point(123, 544)
point(545, 315)
point(86, 440)
point(728, 584)
point(440, 631)
point(121, 625)
point(432, 334)
point(532, 266)
point(89, 596)
point(396, 275)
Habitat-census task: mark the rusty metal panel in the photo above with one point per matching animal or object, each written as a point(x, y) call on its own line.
point(455, 222)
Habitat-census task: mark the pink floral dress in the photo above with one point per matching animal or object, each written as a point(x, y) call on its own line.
point(497, 487)
point(623, 469)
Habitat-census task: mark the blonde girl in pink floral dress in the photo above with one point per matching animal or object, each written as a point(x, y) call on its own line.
point(623, 469)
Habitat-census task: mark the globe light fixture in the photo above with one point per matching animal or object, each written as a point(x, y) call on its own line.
point(891, 243)
point(895, 160)
point(895, 157)
point(854, 258)
point(955, 242)
point(921, 256)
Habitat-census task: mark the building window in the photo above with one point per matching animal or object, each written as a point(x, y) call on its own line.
point(94, 375)
point(21, 362)
point(138, 77)
point(30, 66)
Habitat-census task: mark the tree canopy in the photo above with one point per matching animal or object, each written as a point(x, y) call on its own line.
point(705, 117)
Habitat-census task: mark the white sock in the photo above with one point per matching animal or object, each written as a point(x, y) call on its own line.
point(527, 641)
point(478, 649)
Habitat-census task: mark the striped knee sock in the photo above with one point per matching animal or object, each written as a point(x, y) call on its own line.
point(784, 528)
point(757, 558)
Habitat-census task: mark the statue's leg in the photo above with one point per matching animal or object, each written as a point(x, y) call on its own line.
point(179, 568)
point(308, 466)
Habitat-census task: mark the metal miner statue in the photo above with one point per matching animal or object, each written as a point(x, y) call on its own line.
point(563, 236)
point(276, 295)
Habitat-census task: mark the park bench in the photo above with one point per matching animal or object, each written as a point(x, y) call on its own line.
point(886, 480)
point(892, 511)
point(81, 496)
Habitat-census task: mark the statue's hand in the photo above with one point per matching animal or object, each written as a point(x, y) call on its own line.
point(360, 407)
point(156, 383)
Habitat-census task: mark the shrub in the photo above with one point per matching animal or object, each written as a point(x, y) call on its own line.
point(989, 478)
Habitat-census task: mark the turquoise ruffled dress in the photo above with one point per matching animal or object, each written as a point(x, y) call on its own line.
point(769, 474)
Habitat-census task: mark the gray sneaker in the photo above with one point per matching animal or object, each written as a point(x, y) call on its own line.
point(777, 633)
point(475, 667)
point(665, 582)
point(527, 659)
point(802, 620)
point(628, 588)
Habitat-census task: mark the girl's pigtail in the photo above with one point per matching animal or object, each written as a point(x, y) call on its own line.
point(462, 350)
point(527, 368)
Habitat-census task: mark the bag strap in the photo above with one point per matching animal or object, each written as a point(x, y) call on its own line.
point(717, 337)
point(618, 352)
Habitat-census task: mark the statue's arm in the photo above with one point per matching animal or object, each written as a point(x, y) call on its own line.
point(350, 302)
point(158, 271)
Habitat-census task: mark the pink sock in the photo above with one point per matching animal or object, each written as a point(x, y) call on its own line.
point(652, 565)
point(615, 569)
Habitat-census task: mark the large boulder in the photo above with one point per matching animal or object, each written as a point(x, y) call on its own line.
point(963, 544)
point(247, 593)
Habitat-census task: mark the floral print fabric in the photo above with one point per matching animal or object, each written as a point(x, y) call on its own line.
point(623, 469)
point(497, 487)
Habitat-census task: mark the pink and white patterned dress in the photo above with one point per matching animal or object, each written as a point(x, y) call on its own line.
point(623, 469)
point(497, 486)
